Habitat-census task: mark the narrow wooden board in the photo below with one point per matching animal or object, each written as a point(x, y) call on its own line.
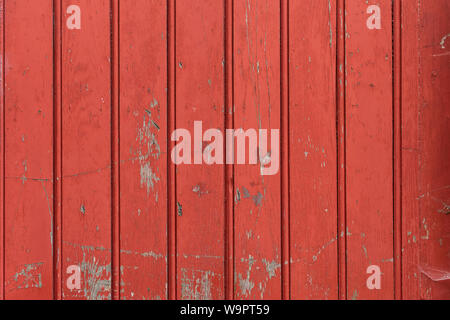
point(28, 145)
point(425, 112)
point(86, 152)
point(256, 107)
point(200, 188)
point(312, 112)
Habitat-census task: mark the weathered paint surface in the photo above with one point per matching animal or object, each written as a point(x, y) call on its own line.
point(369, 118)
point(28, 212)
point(143, 144)
point(313, 180)
point(426, 148)
point(223, 62)
point(257, 222)
point(86, 150)
point(200, 188)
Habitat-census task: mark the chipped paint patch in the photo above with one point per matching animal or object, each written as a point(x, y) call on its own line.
point(179, 209)
point(148, 177)
point(257, 198)
point(97, 279)
point(148, 149)
point(355, 295)
point(147, 254)
point(29, 276)
point(245, 284)
point(196, 284)
point(445, 208)
point(237, 198)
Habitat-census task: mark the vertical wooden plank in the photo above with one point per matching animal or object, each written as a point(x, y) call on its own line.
point(397, 149)
point(434, 145)
point(57, 149)
point(143, 144)
point(28, 142)
point(257, 106)
point(87, 149)
point(426, 117)
point(313, 167)
point(200, 188)
point(284, 152)
point(115, 150)
point(341, 82)
point(369, 148)
point(171, 173)
point(410, 150)
point(2, 150)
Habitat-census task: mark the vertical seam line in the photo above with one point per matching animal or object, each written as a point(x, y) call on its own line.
point(57, 150)
point(397, 146)
point(285, 213)
point(229, 168)
point(2, 178)
point(115, 154)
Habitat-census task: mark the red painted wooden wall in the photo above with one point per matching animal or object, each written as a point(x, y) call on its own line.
point(358, 89)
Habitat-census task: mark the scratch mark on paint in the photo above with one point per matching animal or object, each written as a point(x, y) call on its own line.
point(49, 205)
point(425, 227)
point(97, 279)
point(237, 198)
point(365, 251)
point(86, 247)
point(321, 249)
point(25, 169)
point(329, 23)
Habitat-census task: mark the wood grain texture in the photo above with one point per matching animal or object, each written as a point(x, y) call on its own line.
point(28, 142)
point(86, 153)
point(313, 168)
